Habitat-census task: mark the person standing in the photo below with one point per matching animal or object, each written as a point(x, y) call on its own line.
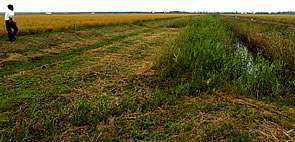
point(9, 21)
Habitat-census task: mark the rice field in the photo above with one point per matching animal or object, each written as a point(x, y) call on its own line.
point(287, 19)
point(30, 24)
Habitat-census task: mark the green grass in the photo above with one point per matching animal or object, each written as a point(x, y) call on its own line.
point(275, 43)
point(204, 92)
point(41, 112)
point(113, 49)
point(204, 57)
point(179, 23)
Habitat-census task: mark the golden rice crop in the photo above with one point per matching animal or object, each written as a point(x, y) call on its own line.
point(288, 19)
point(45, 23)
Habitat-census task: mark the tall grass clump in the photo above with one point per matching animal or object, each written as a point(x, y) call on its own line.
point(274, 43)
point(179, 23)
point(206, 57)
point(274, 69)
point(199, 56)
point(260, 77)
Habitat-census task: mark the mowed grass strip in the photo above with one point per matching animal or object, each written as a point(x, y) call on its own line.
point(48, 116)
point(14, 67)
point(63, 77)
point(206, 117)
point(34, 85)
point(60, 79)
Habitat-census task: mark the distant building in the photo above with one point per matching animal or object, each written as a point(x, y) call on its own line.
point(48, 13)
point(92, 12)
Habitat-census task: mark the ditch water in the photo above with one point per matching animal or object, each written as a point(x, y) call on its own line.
point(246, 58)
point(246, 64)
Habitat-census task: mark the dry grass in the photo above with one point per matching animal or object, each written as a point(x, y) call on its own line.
point(264, 36)
point(259, 120)
point(121, 75)
point(108, 70)
point(29, 24)
point(273, 45)
point(287, 19)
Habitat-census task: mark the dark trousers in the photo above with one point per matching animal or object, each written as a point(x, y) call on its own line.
point(8, 28)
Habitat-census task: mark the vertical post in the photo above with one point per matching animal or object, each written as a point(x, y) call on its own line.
point(75, 27)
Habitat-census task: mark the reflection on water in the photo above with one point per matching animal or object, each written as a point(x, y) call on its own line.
point(246, 58)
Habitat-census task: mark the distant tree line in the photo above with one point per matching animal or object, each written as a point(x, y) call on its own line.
point(285, 12)
point(161, 12)
point(128, 12)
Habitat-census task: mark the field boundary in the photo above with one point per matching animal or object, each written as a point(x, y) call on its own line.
point(84, 27)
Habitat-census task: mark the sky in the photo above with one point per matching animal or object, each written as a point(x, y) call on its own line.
point(148, 5)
